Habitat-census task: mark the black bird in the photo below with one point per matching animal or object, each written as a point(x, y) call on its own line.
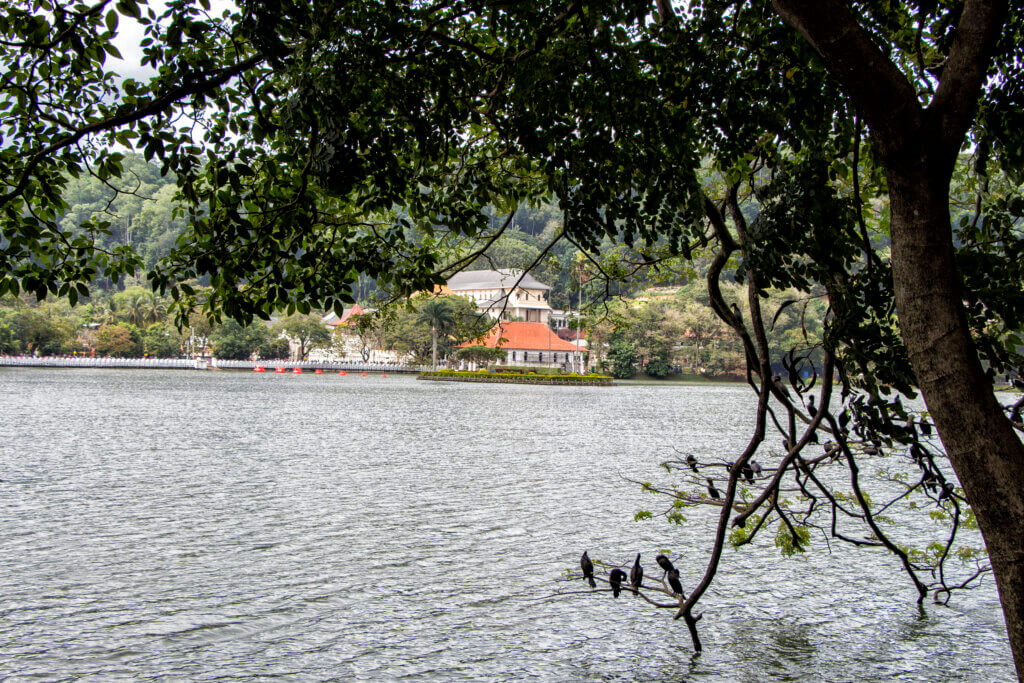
point(755, 466)
point(692, 462)
point(664, 563)
point(673, 581)
point(615, 579)
point(636, 575)
point(926, 428)
point(810, 404)
point(780, 384)
point(747, 472)
point(871, 449)
point(588, 569)
point(712, 491)
point(946, 492)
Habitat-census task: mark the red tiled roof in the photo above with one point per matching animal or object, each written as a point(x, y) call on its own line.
point(355, 310)
point(523, 336)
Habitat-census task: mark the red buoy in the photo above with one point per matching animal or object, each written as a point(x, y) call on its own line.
point(318, 371)
point(364, 374)
point(385, 375)
point(259, 368)
point(341, 372)
point(279, 370)
point(297, 371)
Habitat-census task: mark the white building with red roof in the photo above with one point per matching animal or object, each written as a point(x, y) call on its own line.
point(531, 344)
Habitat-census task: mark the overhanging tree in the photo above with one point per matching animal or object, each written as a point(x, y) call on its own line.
point(317, 141)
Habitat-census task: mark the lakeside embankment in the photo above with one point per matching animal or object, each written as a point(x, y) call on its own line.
point(194, 364)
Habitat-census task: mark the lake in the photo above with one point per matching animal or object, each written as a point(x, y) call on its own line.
point(206, 525)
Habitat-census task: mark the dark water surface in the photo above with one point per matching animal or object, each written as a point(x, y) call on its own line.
point(198, 526)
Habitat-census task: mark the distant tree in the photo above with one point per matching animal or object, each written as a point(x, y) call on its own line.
point(622, 356)
point(8, 342)
point(273, 348)
point(161, 340)
point(35, 332)
point(659, 365)
point(116, 341)
point(305, 330)
point(437, 314)
point(231, 341)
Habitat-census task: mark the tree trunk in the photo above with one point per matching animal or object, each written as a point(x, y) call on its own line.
point(918, 148)
point(983, 448)
point(433, 348)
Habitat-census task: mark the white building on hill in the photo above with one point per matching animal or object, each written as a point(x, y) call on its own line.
point(503, 294)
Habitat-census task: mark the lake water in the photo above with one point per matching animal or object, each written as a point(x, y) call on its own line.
point(204, 525)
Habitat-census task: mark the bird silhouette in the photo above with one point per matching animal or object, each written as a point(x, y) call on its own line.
point(636, 575)
point(664, 563)
point(747, 472)
point(712, 491)
point(588, 569)
point(673, 581)
point(692, 462)
point(755, 466)
point(926, 428)
point(615, 579)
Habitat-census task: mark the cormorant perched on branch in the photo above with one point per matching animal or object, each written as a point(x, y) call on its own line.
point(615, 579)
point(712, 491)
point(673, 581)
point(636, 575)
point(664, 563)
point(755, 466)
point(926, 428)
point(588, 569)
point(747, 472)
point(692, 462)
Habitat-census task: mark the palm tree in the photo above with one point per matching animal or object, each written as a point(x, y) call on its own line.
point(438, 314)
point(137, 309)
